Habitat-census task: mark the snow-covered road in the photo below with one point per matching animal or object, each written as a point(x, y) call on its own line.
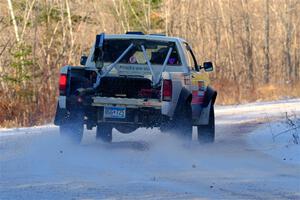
point(247, 161)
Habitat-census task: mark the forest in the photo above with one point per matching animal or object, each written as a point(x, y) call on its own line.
point(254, 45)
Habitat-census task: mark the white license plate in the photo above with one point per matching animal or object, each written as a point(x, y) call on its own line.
point(115, 112)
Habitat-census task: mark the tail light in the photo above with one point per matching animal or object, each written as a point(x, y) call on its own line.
point(167, 90)
point(62, 84)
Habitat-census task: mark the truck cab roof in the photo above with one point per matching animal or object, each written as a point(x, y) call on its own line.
point(146, 37)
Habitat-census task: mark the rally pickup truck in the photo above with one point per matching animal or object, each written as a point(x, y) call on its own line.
point(136, 80)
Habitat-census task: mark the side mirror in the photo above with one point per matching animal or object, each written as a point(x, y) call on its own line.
point(83, 60)
point(208, 66)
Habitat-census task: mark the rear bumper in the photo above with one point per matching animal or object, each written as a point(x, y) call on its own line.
point(139, 112)
point(142, 117)
point(128, 103)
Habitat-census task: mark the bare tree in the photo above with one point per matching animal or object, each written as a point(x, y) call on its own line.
point(247, 41)
point(71, 30)
point(267, 42)
point(252, 43)
point(11, 10)
point(288, 39)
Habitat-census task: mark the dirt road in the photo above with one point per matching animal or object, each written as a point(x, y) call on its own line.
point(36, 164)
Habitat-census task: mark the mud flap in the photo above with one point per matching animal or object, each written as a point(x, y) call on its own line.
point(204, 116)
point(209, 101)
point(210, 96)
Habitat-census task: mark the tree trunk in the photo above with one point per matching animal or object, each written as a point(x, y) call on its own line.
point(267, 42)
point(248, 45)
point(11, 10)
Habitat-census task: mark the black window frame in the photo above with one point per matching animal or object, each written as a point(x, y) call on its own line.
point(189, 50)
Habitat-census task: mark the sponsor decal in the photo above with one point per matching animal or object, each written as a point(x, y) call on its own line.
point(132, 67)
point(197, 100)
point(201, 93)
point(194, 88)
point(201, 85)
point(198, 95)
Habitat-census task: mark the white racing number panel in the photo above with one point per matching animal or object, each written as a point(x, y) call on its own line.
point(114, 112)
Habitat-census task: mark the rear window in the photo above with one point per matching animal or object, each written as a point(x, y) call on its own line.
point(156, 51)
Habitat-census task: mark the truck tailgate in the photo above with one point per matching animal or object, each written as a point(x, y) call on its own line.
point(127, 102)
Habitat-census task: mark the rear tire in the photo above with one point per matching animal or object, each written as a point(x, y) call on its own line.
point(72, 127)
point(206, 133)
point(104, 133)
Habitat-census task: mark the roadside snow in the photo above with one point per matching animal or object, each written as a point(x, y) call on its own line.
point(24, 130)
point(279, 140)
point(258, 111)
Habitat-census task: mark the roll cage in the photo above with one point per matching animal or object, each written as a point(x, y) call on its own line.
point(98, 58)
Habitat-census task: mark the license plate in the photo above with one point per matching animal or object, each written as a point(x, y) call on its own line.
point(115, 112)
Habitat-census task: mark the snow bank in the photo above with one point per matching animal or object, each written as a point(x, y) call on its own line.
point(278, 139)
point(25, 130)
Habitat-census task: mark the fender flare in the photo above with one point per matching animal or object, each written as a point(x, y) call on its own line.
point(184, 96)
point(210, 96)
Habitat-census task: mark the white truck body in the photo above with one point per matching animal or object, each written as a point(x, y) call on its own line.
point(187, 81)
